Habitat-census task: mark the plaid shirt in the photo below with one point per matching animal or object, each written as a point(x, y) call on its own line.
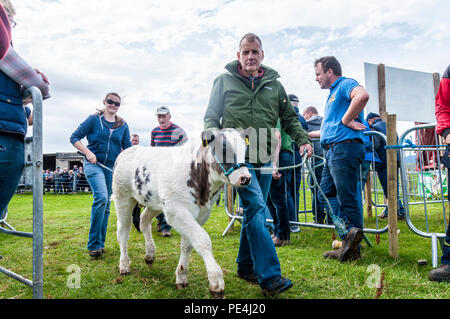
point(22, 73)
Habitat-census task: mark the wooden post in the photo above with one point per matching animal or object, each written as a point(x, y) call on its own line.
point(382, 91)
point(392, 185)
point(436, 82)
point(368, 191)
point(229, 201)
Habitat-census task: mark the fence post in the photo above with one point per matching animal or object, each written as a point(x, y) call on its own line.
point(382, 91)
point(392, 185)
point(368, 193)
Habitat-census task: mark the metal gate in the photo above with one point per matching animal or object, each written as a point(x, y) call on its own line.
point(307, 167)
point(424, 184)
point(33, 163)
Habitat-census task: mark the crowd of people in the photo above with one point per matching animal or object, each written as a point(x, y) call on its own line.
point(63, 181)
point(248, 94)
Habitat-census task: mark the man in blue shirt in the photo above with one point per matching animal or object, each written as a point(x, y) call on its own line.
point(341, 137)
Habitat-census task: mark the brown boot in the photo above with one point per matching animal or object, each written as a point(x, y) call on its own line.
point(280, 242)
point(349, 249)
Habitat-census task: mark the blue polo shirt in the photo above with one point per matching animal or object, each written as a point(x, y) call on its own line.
point(332, 129)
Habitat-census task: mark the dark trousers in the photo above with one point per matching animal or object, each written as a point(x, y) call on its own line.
point(281, 198)
point(445, 258)
point(296, 181)
point(162, 220)
point(340, 183)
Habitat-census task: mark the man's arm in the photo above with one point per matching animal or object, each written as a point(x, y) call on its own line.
point(314, 134)
point(22, 73)
point(359, 97)
point(275, 156)
point(214, 111)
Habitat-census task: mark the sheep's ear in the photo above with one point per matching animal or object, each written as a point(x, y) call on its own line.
point(207, 137)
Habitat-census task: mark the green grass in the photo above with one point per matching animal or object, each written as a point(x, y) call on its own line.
point(66, 226)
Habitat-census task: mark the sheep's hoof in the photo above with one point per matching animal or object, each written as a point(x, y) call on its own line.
point(182, 286)
point(124, 272)
point(218, 294)
point(149, 261)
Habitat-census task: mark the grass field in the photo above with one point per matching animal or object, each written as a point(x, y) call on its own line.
point(66, 226)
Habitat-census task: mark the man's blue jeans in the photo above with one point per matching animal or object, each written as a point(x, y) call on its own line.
point(280, 196)
point(340, 182)
point(12, 160)
point(162, 220)
point(256, 246)
point(100, 180)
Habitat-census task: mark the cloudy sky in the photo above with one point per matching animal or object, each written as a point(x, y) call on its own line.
point(168, 52)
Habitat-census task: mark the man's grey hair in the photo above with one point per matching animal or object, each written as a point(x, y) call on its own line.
point(9, 8)
point(312, 110)
point(250, 37)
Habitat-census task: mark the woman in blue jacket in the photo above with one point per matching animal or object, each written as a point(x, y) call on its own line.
point(107, 135)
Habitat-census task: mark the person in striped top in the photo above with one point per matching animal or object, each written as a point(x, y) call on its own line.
point(167, 134)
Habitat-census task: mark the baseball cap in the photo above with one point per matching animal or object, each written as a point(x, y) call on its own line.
point(162, 110)
point(293, 98)
point(371, 116)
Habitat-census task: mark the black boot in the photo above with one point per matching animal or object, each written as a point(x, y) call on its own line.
point(441, 274)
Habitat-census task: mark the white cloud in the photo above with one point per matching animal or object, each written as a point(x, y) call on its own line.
point(169, 52)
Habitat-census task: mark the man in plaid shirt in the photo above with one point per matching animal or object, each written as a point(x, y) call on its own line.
point(15, 76)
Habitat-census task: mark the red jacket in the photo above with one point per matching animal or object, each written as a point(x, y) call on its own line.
point(443, 105)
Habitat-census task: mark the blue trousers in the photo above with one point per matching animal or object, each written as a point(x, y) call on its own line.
point(162, 219)
point(12, 161)
point(100, 180)
point(256, 246)
point(340, 182)
point(281, 198)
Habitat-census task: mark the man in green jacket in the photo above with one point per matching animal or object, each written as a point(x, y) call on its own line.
point(250, 96)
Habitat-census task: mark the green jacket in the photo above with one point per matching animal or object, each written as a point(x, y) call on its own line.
point(238, 102)
point(286, 140)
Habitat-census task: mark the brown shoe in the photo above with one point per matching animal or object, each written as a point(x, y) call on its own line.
point(166, 233)
point(280, 242)
point(349, 249)
point(95, 253)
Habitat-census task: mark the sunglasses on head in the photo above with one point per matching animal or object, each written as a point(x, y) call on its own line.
point(112, 102)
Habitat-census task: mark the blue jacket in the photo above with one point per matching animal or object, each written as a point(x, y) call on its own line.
point(104, 142)
point(12, 113)
point(368, 141)
point(379, 143)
